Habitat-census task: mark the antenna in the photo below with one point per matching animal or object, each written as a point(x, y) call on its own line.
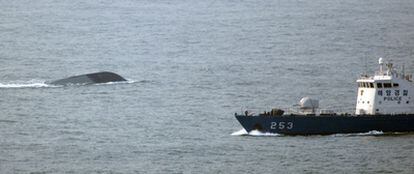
point(365, 67)
point(403, 70)
point(381, 63)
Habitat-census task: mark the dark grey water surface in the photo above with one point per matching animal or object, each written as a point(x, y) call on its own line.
point(191, 65)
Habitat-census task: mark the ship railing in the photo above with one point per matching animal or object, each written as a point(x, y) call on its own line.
point(291, 111)
point(403, 75)
point(257, 111)
point(380, 73)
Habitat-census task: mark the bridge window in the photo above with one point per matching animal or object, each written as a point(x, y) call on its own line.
point(371, 85)
point(396, 85)
point(387, 85)
point(379, 85)
point(405, 92)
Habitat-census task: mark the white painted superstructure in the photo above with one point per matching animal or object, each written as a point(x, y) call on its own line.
point(387, 92)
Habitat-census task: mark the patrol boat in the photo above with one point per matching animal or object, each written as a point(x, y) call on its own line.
point(385, 103)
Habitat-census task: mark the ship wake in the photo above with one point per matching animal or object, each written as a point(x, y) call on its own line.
point(43, 84)
point(27, 84)
point(371, 133)
point(255, 133)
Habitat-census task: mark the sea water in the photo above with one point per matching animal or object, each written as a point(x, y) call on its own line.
point(191, 65)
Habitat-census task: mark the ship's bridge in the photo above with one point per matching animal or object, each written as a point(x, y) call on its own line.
point(387, 92)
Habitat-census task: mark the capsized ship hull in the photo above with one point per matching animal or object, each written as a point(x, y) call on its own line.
point(327, 124)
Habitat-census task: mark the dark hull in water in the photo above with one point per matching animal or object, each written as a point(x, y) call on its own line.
point(327, 124)
point(93, 78)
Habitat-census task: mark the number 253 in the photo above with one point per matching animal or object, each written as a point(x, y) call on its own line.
point(281, 125)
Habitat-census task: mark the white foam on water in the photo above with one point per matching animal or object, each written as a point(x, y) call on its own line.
point(240, 132)
point(41, 84)
point(28, 84)
point(243, 132)
point(264, 134)
point(370, 133)
point(374, 132)
point(128, 81)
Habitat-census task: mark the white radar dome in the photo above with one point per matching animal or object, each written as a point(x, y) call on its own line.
point(308, 103)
